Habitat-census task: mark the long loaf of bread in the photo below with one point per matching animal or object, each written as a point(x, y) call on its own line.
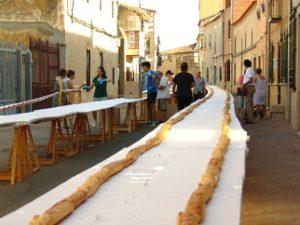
point(64, 208)
point(195, 209)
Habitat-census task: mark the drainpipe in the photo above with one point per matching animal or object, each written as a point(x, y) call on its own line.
point(292, 12)
point(231, 46)
point(289, 103)
point(222, 49)
point(268, 40)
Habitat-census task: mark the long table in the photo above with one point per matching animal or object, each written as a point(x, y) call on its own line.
point(23, 158)
point(155, 188)
point(62, 111)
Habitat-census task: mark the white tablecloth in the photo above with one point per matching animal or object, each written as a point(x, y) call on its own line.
point(62, 111)
point(156, 188)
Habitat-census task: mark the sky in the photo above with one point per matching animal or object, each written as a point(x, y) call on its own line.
point(176, 22)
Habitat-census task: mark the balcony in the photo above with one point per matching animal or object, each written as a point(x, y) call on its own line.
point(275, 11)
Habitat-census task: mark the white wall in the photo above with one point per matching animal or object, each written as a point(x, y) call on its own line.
point(80, 37)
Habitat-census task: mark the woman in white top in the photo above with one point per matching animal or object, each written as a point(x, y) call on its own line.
point(260, 95)
point(68, 84)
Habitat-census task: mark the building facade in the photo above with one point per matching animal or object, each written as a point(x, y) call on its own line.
point(293, 80)
point(215, 47)
point(212, 28)
point(172, 59)
point(227, 39)
point(91, 40)
point(264, 31)
point(81, 35)
point(210, 8)
point(249, 38)
point(139, 42)
point(278, 27)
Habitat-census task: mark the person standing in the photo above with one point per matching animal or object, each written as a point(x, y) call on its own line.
point(183, 83)
point(200, 88)
point(100, 83)
point(259, 98)
point(59, 100)
point(163, 94)
point(68, 85)
point(248, 85)
point(151, 83)
point(170, 76)
point(240, 99)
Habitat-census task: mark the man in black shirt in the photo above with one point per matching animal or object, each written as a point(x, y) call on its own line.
point(184, 82)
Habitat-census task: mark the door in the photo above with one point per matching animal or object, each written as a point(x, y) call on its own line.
point(9, 79)
point(45, 67)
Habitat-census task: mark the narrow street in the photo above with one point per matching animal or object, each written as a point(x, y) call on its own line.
point(271, 189)
point(87, 88)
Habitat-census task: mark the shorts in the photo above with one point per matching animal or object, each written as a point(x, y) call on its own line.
point(184, 101)
point(95, 99)
point(151, 98)
point(163, 104)
point(198, 96)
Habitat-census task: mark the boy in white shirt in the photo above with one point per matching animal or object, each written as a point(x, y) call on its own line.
point(163, 94)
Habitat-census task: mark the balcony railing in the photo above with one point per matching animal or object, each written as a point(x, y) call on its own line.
point(275, 11)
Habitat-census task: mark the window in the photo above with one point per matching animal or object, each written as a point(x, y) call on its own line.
point(209, 43)
point(283, 58)
point(234, 72)
point(292, 50)
point(242, 41)
point(113, 9)
point(100, 4)
point(227, 68)
point(229, 29)
point(142, 25)
point(252, 37)
point(245, 41)
point(235, 45)
point(215, 47)
point(88, 67)
point(113, 75)
point(170, 58)
point(101, 59)
point(133, 39)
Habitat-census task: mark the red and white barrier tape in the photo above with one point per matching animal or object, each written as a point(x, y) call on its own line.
point(31, 101)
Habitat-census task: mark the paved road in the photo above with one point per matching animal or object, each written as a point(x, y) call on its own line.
point(272, 184)
point(13, 197)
